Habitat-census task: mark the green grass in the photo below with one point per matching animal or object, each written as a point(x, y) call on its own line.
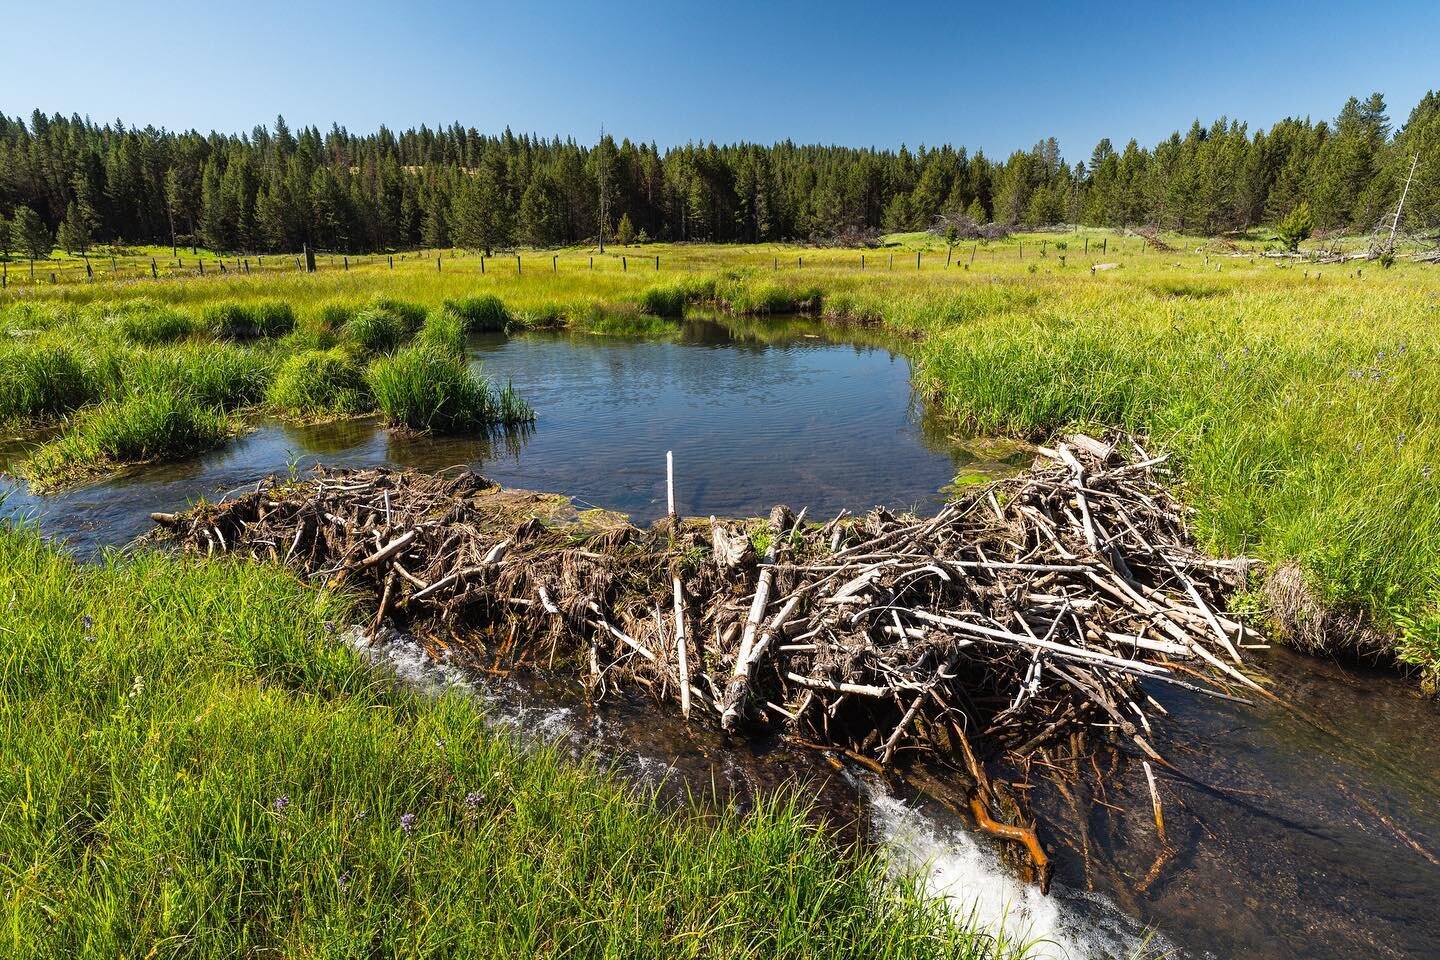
point(485, 313)
point(426, 389)
point(242, 320)
point(147, 324)
point(380, 327)
point(443, 330)
point(43, 379)
point(196, 766)
point(319, 384)
point(210, 374)
point(117, 433)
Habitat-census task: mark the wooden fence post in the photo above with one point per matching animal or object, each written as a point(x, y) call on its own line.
point(89, 274)
point(892, 261)
point(592, 262)
point(974, 251)
point(517, 264)
point(555, 263)
point(482, 264)
point(1022, 249)
point(1087, 244)
point(949, 252)
point(201, 264)
point(657, 263)
point(309, 258)
point(624, 267)
point(247, 266)
point(799, 261)
point(154, 270)
point(437, 263)
point(917, 259)
point(862, 263)
point(347, 264)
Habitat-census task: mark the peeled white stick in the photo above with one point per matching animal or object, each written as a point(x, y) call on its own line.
point(680, 651)
point(670, 482)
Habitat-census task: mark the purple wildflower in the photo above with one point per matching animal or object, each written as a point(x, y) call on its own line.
point(280, 803)
point(474, 798)
point(407, 823)
point(343, 879)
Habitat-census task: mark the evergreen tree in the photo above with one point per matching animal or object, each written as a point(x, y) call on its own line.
point(30, 234)
point(76, 230)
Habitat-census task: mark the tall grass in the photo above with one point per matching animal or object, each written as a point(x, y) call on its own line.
point(210, 374)
point(484, 313)
point(148, 324)
point(318, 384)
point(426, 389)
point(138, 429)
point(46, 378)
point(246, 320)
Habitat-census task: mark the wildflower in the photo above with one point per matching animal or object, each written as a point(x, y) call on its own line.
point(87, 622)
point(407, 823)
point(1400, 439)
point(440, 744)
point(474, 798)
point(280, 803)
point(359, 816)
point(1425, 473)
point(343, 880)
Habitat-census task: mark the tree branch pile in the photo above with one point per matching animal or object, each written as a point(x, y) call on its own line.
point(1022, 614)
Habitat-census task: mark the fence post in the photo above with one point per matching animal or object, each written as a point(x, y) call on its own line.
point(949, 252)
point(347, 264)
point(917, 259)
point(482, 264)
point(974, 251)
point(592, 262)
point(657, 263)
point(1087, 244)
point(1104, 244)
point(777, 264)
point(202, 267)
point(555, 263)
point(54, 279)
point(517, 264)
point(437, 263)
point(309, 258)
point(862, 263)
point(1022, 249)
point(89, 274)
point(247, 266)
point(391, 258)
point(799, 261)
point(4, 274)
point(892, 261)
point(624, 266)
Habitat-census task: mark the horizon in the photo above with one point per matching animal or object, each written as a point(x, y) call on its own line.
point(1134, 82)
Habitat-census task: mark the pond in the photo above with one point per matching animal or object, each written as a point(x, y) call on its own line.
point(1312, 829)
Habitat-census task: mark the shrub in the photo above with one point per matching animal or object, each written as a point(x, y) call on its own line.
point(137, 429)
point(236, 320)
point(482, 314)
point(319, 383)
point(422, 388)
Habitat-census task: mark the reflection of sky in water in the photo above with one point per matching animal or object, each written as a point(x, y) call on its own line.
point(788, 418)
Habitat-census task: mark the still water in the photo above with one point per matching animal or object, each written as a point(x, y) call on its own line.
point(1312, 831)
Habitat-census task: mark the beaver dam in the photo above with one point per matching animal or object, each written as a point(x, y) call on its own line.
point(992, 646)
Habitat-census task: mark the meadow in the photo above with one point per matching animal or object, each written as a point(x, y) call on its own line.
point(1297, 398)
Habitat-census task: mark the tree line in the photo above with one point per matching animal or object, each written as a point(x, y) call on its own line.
point(82, 183)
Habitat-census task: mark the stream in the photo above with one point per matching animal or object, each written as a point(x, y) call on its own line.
point(1309, 829)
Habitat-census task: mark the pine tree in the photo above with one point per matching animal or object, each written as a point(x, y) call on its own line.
point(76, 230)
point(31, 235)
point(625, 231)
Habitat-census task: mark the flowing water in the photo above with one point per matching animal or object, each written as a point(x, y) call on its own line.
point(1310, 831)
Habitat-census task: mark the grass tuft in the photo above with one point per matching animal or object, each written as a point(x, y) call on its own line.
point(249, 320)
point(427, 389)
point(118, 433)
point(319, 384)
point(480, 314)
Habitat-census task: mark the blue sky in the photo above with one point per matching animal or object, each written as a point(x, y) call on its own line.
point(993, 76)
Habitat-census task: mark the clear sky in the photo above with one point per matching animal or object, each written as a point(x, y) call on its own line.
point(992, 75)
